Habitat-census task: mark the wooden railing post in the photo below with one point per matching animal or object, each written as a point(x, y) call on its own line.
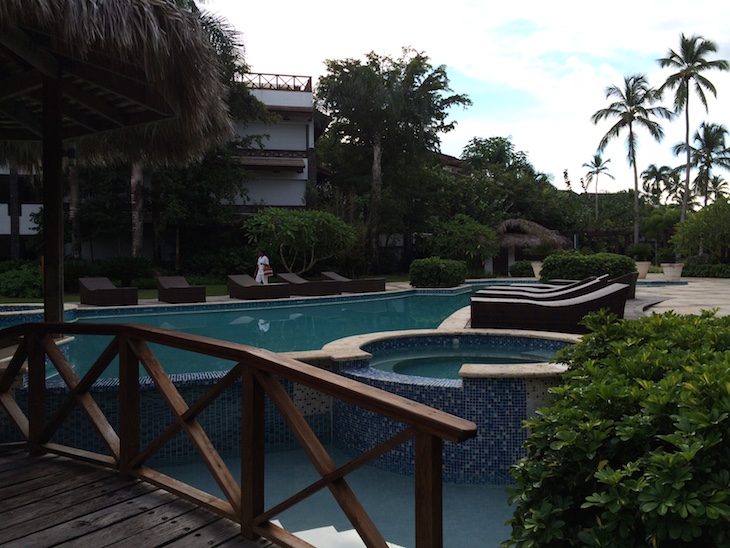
point(429, 499)
point(129, 422)
point(36, 392)
point(252, 451)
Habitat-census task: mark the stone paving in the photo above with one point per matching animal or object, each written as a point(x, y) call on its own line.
point(697, 295)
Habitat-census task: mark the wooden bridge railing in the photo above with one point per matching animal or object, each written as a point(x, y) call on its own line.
point(259, 371)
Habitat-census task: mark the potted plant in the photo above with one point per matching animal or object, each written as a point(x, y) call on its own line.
point(672, 271)
point(641, 252)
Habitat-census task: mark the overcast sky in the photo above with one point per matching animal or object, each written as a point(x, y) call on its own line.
point(535, 71)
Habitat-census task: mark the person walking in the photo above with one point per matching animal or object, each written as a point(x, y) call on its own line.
point(261, 264)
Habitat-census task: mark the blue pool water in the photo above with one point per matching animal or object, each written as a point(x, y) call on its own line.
point(281, 327)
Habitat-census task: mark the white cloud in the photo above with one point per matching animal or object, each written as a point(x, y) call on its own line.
point(558, 56)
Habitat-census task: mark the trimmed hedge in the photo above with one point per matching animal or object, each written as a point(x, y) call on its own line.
point(521, 269)
point(575, 266)
point(635, 448)
point(437, 272)
point(706, 270)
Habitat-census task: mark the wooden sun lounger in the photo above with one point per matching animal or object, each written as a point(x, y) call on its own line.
point(562, 316)
point(243, 286)
point(549, 287)
point(560, 293)
point(300, 286)
point(176, 289)
point(362, 285)
point(100, 291)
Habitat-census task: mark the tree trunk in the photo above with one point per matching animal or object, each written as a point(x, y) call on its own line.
point(137, 193)
point(632, 153)
point(74, 211)
point(14, 211)
point(375, 194)
point(596, 196)
point(685, 198)
point(177, 248)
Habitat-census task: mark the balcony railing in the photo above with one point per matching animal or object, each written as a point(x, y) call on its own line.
point(278, 82)
point(259, 372)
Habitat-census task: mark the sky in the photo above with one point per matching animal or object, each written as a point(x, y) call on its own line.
point(535, 71)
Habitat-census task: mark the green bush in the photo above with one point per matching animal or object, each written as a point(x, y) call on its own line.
point(706, 270)
point(73, 269)
point(23, 281)
point(640, 251)
point(125, 269)
point(635, 449)
point(576, 266)
point(437, 272)
point(521, 269)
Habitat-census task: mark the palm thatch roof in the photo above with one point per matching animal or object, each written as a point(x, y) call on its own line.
point(523, 233)
point(141, 73)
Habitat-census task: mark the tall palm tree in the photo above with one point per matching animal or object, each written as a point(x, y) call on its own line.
point(595, 168)
point(718, 187)
point(632, 107)
point(690, 62)
point(709, 151)
point(656, 181)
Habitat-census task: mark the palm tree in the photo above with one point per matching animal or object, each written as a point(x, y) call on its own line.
point(717, 187)
point(690, 63)
point(595, 168)
point(656, 181)
point(710, 151)
point(632, 107)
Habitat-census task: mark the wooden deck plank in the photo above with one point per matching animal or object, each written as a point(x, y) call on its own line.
point(23, 482)
point(212, 534)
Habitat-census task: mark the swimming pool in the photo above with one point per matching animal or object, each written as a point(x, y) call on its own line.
point(280, 326)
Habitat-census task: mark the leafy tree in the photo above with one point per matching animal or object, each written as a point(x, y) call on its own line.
point(597, 166)
point(632, 107)
point(384, 103)
point(299, 239)
point(708, 231)
point(656, 181)
point(690, 62)
point(464, 239)
point(709, 152)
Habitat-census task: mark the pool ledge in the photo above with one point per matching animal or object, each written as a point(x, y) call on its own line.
point(511, 371)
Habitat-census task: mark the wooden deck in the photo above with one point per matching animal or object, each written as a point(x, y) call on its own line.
point(55, 501)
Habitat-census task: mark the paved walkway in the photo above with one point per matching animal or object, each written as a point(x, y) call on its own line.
point(697, 295)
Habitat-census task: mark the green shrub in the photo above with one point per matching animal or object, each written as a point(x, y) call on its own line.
point(24, 281)
point(73, 269)
point(640, 251)
point(706, 270)
point(437, 272)
point(576, 266)
point(521, 269)
point(125, 269)
point(635, 449)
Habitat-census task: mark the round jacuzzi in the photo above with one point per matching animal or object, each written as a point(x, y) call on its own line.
point(492, 378)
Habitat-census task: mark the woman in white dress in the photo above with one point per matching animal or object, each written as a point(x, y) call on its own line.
point(262, 262)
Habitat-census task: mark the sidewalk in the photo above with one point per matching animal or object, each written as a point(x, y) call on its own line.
point(697, 295)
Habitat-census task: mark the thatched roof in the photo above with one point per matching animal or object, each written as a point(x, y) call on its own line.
point(121, 66)
point(523, 233)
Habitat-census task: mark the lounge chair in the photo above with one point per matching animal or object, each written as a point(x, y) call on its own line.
point(175, 289)
point(562, 316)
point(300, 286)
point(556, 294)
point(631, 278)
point(101, 291)
point(243, 286)
point(550, 287)
point(363, 285)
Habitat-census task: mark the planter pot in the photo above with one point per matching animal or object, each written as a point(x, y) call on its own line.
point(672, 271)
point(643, 268)
point(536, 268)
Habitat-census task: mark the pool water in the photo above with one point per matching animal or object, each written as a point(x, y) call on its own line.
point(444, 363)
point(278, 326)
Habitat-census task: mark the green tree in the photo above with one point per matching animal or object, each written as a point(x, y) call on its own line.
point(299, 238)
point(717, 187)
point(656, 181)
point(595, 168)
point(690, 62)
point(710, 151)
point(383, 102)
point(632, 107)
point(464, 239)
point(706, 231)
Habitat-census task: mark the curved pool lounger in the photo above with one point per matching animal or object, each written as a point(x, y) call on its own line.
point(243, 286)
point(561, 293)
point(176, 289)
point(101, 291)
point(547, 288)
point(362, 285)
point(562, 316)
point(300, 286)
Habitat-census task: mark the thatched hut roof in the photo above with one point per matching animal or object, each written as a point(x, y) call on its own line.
point(523, 233)
point(121, 66)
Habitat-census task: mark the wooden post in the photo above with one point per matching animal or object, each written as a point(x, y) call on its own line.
point(36, 393)
point(129, 427)
point(52, 201)
point(429, 499)
point(252, 451)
